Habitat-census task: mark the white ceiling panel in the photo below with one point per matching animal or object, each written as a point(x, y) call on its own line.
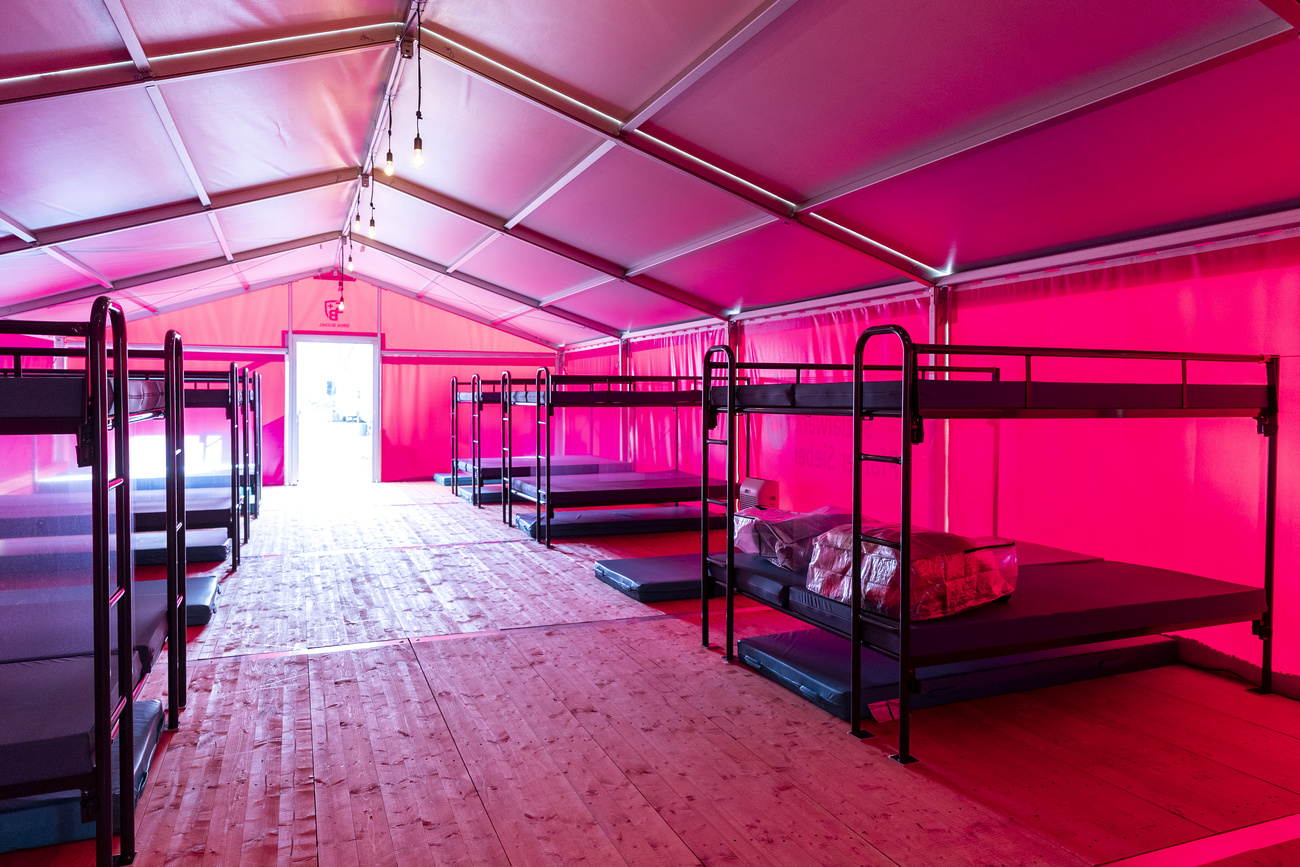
point(73, 158)
point(626, 307)
point(285, 218)
point(614, 56)
point(166, 27)
point(418, 227)
point(482, 145)
point(552, 328)
point(628, 207)
point(31, 274)
point(58, 34)
point(147, 249)
point(835, 89)
point(527, 269)
point(260, 124)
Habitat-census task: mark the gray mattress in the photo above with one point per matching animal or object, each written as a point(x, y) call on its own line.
point(69, 515)
point(985, 399)
point(619, 489)
point(1054, 605)
point(59, 621)
point(42, 396)
point(46, 555)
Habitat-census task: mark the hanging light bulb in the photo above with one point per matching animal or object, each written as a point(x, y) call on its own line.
point(341, 295)
point(371, 230)
point(351, 267)
point(417, 157)
point(388, 164)
point(357, 222)
point(388, 161)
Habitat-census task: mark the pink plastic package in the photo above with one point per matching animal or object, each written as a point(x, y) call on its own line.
point(785, 538)
point(950, 573)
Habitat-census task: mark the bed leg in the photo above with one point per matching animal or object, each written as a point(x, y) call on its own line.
point(904, 756)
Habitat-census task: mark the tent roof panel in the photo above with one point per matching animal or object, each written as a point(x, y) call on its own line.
point(147, 249)
point(1145, 164)
point(615, 56)
point(272, 221)
point(56, 34)
point(775, 264)
point(835, 89)
point(78, 157)
point(29, 275)
point(164, 26)
point(626, 307)
point(482, 145)
point(418, 227)
point(551, 328)
point(246, 127)
point(627, 207)
point(527, 269)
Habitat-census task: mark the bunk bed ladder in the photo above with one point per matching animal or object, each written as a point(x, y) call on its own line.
point(727, 439)
point(545, 409)
point(455, 437)
point(257, 445)
point(232, 413)
point(245, 450)
point(476, 441)
point(1267, 426)
point(111, 593)
point(910, 434)
point(174, 377)
point(507, 449)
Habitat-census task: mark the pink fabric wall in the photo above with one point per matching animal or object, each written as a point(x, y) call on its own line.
point(1172, 493)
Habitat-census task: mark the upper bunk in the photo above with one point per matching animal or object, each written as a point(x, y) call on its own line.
point(572, 390)
point(973, 381)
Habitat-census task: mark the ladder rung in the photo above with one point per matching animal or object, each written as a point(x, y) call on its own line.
point(113, 600)
point(879, 541)
point(716, 502)
point(882, 459)
point(715, 442)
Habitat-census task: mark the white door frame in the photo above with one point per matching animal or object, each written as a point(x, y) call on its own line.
point(291, 450)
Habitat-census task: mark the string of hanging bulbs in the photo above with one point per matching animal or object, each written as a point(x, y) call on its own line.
point(417, 155)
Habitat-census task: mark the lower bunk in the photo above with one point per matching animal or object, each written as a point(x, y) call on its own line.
point(603, 493)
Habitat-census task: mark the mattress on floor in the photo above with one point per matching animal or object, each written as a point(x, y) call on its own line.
point(48, 728)
point(653, 579)
point(815, 665)
point(619, 522)
point(489, 495)
point(972, 396)
point(201, 592)
point(445, 479)
point(1055, 604)
point(59, 621)
point(45, 820)
point(619, 489)
point(561, 465)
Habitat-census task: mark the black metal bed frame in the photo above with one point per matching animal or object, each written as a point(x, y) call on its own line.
point(545, 385)
point(912, 414)
point(112, 589)
point(235, 403)
point(476, 401)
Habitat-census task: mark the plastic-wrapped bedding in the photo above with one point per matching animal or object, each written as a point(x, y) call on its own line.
point(784, 538)
point(950, 573)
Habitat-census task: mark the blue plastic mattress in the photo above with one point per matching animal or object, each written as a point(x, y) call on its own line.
point(618, 522)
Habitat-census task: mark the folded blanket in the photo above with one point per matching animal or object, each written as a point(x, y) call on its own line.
point(784, 538)
point(949, 574)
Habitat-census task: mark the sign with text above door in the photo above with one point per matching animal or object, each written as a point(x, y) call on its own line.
point(318, 308)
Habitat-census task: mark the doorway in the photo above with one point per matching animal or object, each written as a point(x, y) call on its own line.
point(335, 407)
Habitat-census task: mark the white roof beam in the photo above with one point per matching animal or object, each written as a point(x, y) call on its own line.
point(122, 22)
point(551, 245)
point(708, 241)
point(1213, 55)
point(1287, 9)
point(570, 109)
point(746, 30)
point(460, 260)
point(167, 274)
point(563, 181)
point(21, 231)
point(501, 291)
point(163, 213)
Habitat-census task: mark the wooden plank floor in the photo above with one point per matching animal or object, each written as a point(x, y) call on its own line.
point(396, 678)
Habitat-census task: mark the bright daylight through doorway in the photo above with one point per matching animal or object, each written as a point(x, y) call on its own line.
point(335, 411)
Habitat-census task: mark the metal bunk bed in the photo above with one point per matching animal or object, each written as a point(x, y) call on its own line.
point(486, 473)
point(221, 509)
point(602, 489)
point(1055, 604)
point(43, 751)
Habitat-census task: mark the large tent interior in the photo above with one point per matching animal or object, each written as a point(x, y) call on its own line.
point(640, 198)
